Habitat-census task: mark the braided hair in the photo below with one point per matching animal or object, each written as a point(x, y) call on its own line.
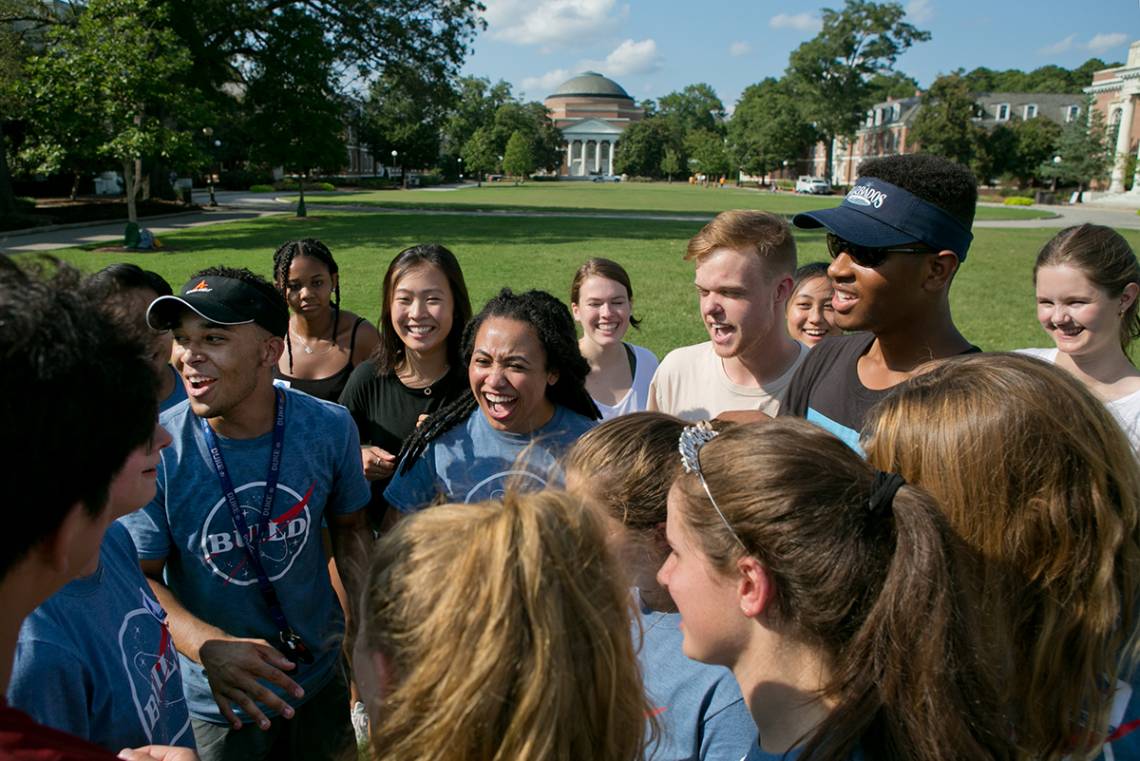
point(554, 326)
point(283, 260)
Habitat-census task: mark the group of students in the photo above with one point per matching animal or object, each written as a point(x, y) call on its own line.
point(835, 530)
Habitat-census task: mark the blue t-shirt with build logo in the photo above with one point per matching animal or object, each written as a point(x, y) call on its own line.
point(474, 462)
point(207, 568)
point(96, 659)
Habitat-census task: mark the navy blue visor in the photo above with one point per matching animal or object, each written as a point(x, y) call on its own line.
point(877, 214)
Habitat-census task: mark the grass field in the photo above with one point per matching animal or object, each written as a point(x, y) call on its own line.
point(625, 198)
point(992, 296)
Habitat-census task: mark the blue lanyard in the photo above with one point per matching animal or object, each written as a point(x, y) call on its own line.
point(295, 648)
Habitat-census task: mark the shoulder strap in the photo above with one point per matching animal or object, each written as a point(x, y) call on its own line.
point(629, 355)
point(352, 339)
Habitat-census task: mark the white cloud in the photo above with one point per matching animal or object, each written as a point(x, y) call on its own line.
point(920, 11)
point(544, 22)
point(738, 49)
point(628, 58)
point(803, 22)
point(1060, 46)
point(1102, 43)
point(540, 87)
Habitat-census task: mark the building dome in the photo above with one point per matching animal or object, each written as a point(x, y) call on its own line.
point(590, 84)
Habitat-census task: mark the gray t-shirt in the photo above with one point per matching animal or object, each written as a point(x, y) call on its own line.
point(207, 569)
point(96, 659)
point(474, 462)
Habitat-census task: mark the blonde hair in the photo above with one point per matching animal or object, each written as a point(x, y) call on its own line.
point(872, 585)
point(1035, 474)
point(508, 633)
point(631, 461)
point(742, 229)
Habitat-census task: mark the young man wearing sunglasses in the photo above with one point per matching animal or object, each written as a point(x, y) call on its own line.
point(896, 242)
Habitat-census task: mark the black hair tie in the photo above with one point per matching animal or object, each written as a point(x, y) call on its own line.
point(883, 490)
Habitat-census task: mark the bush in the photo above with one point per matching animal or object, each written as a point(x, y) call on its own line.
point(260, 188)
point(374, 183)
point(290, 184)
point(1018, 201)
point(25, 203)
point(237, 179)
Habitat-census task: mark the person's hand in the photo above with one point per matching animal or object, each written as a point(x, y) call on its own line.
point(235, 669)
point(158, 753)
point(420, 420)
point(378, 463)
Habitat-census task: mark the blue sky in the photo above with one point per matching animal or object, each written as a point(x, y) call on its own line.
point(652, 47)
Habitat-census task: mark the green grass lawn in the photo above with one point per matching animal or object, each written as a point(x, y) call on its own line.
point(624, 198)
point(992, 296)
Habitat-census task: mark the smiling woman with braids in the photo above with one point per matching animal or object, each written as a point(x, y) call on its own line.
point(324, 342)
point(527, 404)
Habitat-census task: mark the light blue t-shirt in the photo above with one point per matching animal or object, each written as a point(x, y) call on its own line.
point(96, 659)
point(177, 394)
point(698, 706)
point(207, 568)
point(474, 462)
point(758, 754)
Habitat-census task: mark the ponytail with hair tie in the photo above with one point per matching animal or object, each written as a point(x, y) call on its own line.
point(883, 490)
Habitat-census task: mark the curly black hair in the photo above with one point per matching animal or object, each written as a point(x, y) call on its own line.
point(948, 185)
point(554, 326)
point(67, 368)
point(282, 261)
point(116, 278)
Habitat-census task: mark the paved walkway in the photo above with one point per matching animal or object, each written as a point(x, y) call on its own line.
point(239, 206)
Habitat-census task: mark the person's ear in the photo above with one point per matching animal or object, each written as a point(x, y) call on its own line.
point(552, 377)
point(1128, 298)
point(271, 350)
point(940, 269)
point(574, 312)
point(755, 589)
point(784, 289)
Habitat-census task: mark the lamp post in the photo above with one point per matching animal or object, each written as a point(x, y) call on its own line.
point(460, 160)
point(217, 145)
point(1056, 163)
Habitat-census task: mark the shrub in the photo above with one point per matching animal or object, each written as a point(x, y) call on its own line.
point(25, 203)
point(260, 188)
point(1018, 201)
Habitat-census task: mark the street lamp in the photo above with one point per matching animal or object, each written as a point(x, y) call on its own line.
point(460, 160)
point(394, 154)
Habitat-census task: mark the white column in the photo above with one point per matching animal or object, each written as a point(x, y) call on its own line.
point(1123, 143)
point(569, 157)
point(611, 171)
point(1136, 177)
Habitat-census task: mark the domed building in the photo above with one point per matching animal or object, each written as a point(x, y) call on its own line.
point(591, 111)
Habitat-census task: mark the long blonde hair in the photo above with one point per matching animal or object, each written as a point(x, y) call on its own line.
point(1036, 475)
point(873, 584)
point(508, 632)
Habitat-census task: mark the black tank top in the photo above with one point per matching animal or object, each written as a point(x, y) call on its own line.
point(325, 388)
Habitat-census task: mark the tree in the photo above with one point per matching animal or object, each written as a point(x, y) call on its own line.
point(892, 86)
point(518, 161)
point(1036, 144)
point(832, 73)
point(1083, 151)
point(532, 119)
point(695, 107)
point(479, 153)
point(768, 127)
point(707, 150)
point(944, 125)
point(474, 106)
point(297, 120)
point(994, 153)
point(405, 113)
point(114, 72)
point(643, 145)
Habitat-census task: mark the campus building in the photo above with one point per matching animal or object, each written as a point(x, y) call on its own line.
point(591, 111)
point(886, 130)
point(1114, 94)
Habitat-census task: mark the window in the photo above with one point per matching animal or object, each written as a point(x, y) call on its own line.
point(1003, 112)
point(1030, 111)
point(1072, 112)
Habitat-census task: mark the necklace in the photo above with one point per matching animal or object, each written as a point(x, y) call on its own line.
point(332, 339)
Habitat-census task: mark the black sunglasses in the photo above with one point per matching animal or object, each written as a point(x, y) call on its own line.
point(870, 256)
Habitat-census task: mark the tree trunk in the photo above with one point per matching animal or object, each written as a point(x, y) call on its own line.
point(131, 182)
point(7, 196)
point(301, 210)
point(829, 144)
point(74, 185)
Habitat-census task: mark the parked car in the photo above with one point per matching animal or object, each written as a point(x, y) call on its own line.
point(606, 178)
point(813, 185)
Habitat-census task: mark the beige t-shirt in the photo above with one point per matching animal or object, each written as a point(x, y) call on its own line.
point(691, 384)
